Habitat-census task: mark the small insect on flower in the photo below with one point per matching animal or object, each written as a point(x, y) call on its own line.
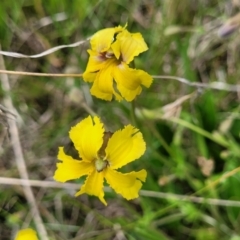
point(102, 153)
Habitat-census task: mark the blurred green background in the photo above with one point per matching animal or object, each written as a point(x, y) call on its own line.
point(190, 143)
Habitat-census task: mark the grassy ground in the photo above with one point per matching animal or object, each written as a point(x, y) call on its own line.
point(192, 145)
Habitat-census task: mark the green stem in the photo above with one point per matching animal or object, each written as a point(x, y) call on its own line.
point(199, 130)
point(133, 115)
point(160, 139)
point(219, 180)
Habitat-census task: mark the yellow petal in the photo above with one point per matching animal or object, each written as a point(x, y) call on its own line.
point(102, 40)
point(116, 48)
point(129, 81)
point(70, 168)
point(127, 184)
point(94, 186)
point(26, 234)
point(125, 146)
point(96, 62)
point(89, 76)
point(87, 137)
point(129, 44)
point(120, 28)
point(129, 95)
point(103, 85)
point(100, 90)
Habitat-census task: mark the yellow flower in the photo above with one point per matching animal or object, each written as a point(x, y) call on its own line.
point(26, 234)
point(112, 49)
point(101, 154)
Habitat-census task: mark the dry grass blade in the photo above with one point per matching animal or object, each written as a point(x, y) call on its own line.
point(214, 85)
point(6, 111)
point(146, 193)
point(41, 74)
point(15, 141)
point(47, 52)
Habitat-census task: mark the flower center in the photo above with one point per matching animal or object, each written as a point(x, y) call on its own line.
point(100, 164)
point(109, 55)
